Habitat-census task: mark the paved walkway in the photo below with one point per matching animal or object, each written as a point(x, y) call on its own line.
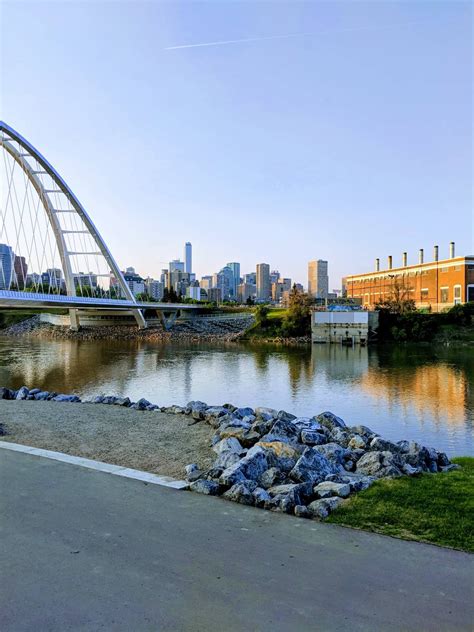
point(86, 550)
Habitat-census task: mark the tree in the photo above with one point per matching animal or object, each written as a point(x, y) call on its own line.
point(250, 301)
point(296, 321)
point(261, 315)
point(399, 300)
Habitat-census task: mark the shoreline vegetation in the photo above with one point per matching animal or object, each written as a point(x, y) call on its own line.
point(262, 324)
point(317, 468)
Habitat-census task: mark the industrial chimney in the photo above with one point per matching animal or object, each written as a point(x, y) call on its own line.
point(404, 260)
point(452, 250)
point(436, 253)
point(421, 256)
point(377, 265)
point(390, 262)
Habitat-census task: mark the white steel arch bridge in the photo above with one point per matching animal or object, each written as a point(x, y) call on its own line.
point(51, 253)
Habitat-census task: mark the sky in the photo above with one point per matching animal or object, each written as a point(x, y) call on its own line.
point(300, 130)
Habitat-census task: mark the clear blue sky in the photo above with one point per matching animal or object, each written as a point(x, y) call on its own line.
point(349, 141)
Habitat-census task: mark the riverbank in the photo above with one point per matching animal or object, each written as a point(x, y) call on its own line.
point(145, 440)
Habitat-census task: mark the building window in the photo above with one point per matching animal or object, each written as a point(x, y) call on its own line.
point(424, 295)
point(443, 269)
point(444, 295)
point(470, 293)
point(457, 294)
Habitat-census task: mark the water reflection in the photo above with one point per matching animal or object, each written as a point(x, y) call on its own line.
point(415, 392)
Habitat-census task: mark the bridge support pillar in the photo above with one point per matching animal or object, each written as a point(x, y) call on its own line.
point(74, 318)
point(141, 322)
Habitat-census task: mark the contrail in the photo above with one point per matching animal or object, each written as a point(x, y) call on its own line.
point(236, 41)
point(287, 36)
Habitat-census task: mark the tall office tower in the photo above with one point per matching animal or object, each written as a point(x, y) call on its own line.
point(176, 266)
point(318, 280)
point(274, 276)
point(188, 257)
point(224, 280)
point(263, 282)
point(250, 278)
point(235, 267)
point(7, 258)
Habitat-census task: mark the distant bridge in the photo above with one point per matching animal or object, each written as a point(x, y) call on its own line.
point(167, 312)
point(51, 253)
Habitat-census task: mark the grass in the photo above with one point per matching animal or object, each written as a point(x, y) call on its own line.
point(271, 329)
point(13, 316)
point(434, 508)
point(455, 333)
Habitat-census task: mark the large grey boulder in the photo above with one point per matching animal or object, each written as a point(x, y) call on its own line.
point(42, 396)
point(272, 476)
point(229, 444)
point(6, 393)
point(260, 496)
point(357, 442)
point(284, 416)
point(333, 452)
point(242, 493)
point(250, 467)
point(247, 438)
point(244, 412)
point(313, 467)
point(330, 421)
point(66, 398)
point(266, 413)
point(193, 472)
point(322, 508)
point(283, 430)
point(379, 464)
point(203, 486)
point(22, 393)
point(282, 455)
point(226, 459)
point(313, 437)
point(381, 445)
point(326, 489)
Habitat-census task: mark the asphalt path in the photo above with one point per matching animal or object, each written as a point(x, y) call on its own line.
point(86, 550)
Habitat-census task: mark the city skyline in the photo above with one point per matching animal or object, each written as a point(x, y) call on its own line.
point(259, 131)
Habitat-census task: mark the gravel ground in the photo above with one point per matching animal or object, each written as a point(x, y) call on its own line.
point(149, 441)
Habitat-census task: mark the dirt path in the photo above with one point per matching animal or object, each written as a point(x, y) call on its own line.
point(150, 441)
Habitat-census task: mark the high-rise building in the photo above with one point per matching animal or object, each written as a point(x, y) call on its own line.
point(224, 280)
point(21, 270)
point(318, 280)
point(206, 282)
point(176, 266)
point(154, 289)
point(274, 276)
point(250, 278)
point(235, 267)
point(263, 282)
point(245, 291)
point(6, 266)
point(188, 257)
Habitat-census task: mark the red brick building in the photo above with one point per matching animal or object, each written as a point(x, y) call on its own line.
point(435, 285)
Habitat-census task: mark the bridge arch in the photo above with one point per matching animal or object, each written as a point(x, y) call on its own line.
point(24, 154)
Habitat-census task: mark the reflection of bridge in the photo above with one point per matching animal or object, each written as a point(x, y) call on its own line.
point(51, 254)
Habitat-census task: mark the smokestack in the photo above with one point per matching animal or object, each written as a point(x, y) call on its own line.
point(452, 250)
point(377, 265)
point(421, 256)
point(436, 253)
point(389, 262)
point(404, 260)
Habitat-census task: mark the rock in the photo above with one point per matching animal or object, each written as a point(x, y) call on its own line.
point(249, 419)
point(364, 431)
point(244, 412)
point(272, 476)
point(242, 493)
point(322, 508)
point(6, 393)
point(313, 467)
point(229, 444)
point(379, 464)
point(66, 398)
point(247, 438)
point(357, 482)
point(197, 414)
point(443, 460)
point(283, 430)
point(250, 467)
point(109, 399)
point(203, 486)
point(307, 423)
point(196, 405)
point(122, 401)
point(339, 436)
point(330, 421)
point(193, 473)
point(98, 399)
point(266, 413)
point(357, 442)
point(230, 407)
point(260, 496)
point(381, 445)
point(409, 470)
point(261, 426)
point(301, 511)
point(333, 452)
point(327, 489)
point(22, 393)
point(226, 459)
point(35, 391)
point(215, 412)
point(41, 396)
point(141, 404)
point(284, 455)
point(284, 416)
point(288, 496)
point(450, 467)
point(213, 474)
point(312, 437)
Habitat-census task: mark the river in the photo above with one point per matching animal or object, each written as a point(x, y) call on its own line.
point(409, 392)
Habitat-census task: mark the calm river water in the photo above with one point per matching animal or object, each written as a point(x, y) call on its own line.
point(420, 393)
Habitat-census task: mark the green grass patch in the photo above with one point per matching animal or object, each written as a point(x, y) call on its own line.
point(12, 316)
point(434, 508)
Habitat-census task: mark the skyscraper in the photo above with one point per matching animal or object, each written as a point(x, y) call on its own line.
point(318, 280)
point(6, 266)
point(188, 257)
point(235, 267)
point(263, 282)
